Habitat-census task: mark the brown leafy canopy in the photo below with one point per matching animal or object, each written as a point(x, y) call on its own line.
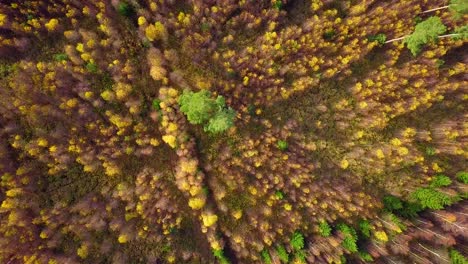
point(98, 162)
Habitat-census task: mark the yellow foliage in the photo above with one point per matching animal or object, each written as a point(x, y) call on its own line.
point(344, 164)
point(170, 140)
point(14, 192)
point(123, 239)
point(237, 214)
point(155, 32)
point(52, 24)
point(154, 142)
point(141, 21)
point(381, 235)
point(3, 19)
point(158, 73)
point(107, 95)
point(196, 203)
point(379, 153)
point(71, 103)
point(42, 142)
point(80, 47)
point(189, 167)
point(122, 90)
point(43, 235)
point(403, 151)
point(209, 219)
point(82, 251)
point(395, 142)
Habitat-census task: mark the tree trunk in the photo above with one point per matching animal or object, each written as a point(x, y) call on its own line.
point(396, 39)
point(435, 9)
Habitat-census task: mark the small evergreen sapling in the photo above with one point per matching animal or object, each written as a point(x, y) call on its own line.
point(219, 254)
point(456, 257)
point(282, 145)
point(324, 229)
point(462, 176)
point(282, 254)
point(350, 237)
point(365, 228)
point(297, 241)
point(266, 257)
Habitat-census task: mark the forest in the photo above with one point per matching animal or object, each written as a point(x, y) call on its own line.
point(233, 131)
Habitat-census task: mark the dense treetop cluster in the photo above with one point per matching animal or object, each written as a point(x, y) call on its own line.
point(234, 131)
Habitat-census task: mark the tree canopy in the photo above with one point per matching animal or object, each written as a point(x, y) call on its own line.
point(425, 32)
point(200, 108)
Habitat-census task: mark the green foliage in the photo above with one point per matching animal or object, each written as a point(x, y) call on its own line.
point(459, 7)
point(432, 199)
point(205, 27)
point(279, 195)
point(251, 109)
point(266, 257)
point(397, 221)
point(350, 237)
point(282, 254)
point(365, 256)
point(365, 228)
point(60, 57)
point(282, 145)
point(410, 210)
point(425, 32)
point(456, 257)
point(92, 67)
point(329, 34)
point(462, 176)
point(200, 108)
point(278, 5)
point(431, 151)
point(125, 9)
point(219, 254)
point(462, 32)
point(392, 203)
point(324, 229)
point(6, 69)
point(220, 122)
point(155, 104)
point(440, 181)
point(417, 20)
point(297, 241)
point(380, 38)
point(300, 256)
